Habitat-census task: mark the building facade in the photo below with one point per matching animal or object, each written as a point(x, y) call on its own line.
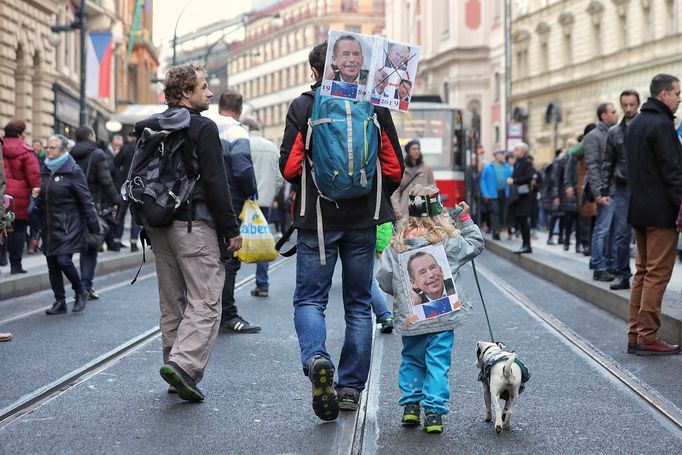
point(462, 58)
point(571, 55)
point(270, 65)
point(40, 70)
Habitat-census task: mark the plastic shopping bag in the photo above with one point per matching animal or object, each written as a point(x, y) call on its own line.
point(258, 245)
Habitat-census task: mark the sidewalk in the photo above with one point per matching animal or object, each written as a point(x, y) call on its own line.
point(571, 272)
point(37, 278)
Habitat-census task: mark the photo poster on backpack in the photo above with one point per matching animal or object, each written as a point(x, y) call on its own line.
point(428, 283)
point(370, 68)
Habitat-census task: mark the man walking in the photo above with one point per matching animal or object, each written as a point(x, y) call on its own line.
point(239, 167)
point(654, 163)
point(615, 181)
point(349, 233)
point(123, 160)
point(94, 164)
point(495, 190)
point(593, 145)
point(265, 157)
point(188, 264)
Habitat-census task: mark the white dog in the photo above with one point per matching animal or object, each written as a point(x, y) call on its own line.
point(503, 377)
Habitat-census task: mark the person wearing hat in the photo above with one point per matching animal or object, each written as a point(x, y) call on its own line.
point(495, 190)
point(417, 172)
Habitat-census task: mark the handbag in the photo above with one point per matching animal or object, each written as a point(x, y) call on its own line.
point(104, 219)
point(258, 244)
point(523, 189)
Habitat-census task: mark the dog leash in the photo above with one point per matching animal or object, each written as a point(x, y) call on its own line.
point(453, 214)
point(485, 310)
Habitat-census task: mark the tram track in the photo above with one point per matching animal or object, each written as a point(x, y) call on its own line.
point(642, 391)
point(31, 401)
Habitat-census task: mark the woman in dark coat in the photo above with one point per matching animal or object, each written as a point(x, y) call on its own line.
point(522, 206)
point(67, 213)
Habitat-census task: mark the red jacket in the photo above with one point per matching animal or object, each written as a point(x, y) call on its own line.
point(22, 173)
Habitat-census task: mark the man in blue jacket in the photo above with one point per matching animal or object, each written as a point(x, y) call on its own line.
point(494, 190)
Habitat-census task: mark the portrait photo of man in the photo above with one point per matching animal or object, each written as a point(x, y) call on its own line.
point(427, 279)
point(397, 56)
point(347, 60)
point(381, 81)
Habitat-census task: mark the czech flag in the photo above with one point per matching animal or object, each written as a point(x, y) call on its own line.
point(98, 68)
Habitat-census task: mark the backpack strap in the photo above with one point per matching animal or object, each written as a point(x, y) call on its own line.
point(377, 207)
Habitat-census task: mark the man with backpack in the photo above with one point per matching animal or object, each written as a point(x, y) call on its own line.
point(93, 162)
point(190, 248)
point(237, 155)
point(336, 214)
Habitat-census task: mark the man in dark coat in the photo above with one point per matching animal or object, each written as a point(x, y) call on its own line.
point(654, 165)
point(123, 160)
point(522, 204)
point(93, 161)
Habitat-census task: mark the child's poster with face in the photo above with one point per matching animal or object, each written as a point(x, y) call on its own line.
point(429, 283)
point(346, 67)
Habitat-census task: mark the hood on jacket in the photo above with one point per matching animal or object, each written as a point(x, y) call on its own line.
point(82, 149)
point(656, 105)
point(173, 118)
point(14, 147)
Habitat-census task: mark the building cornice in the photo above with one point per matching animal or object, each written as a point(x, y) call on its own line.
point(570, 82)
point(45, 6)
point(454, 56)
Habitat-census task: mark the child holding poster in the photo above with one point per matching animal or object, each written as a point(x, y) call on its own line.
point(419, 271)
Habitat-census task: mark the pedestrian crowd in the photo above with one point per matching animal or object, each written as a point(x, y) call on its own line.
point(615, 184)
point(613, 179)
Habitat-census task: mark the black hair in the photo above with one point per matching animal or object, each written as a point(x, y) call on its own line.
point(662, 82)
point(601, 109)
point(83, 133)
point(317, 56)
point(630, 93)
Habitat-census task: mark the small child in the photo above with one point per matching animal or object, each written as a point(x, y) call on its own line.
point(427, 343)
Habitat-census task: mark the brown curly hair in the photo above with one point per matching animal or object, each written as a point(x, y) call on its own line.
point(178, 79)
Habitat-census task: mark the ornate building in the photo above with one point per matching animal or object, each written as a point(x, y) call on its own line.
point(270, 66)
point(462, 57)
point(40, 71)
point(571, 55)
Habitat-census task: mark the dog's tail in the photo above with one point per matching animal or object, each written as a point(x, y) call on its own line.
point(506, 369)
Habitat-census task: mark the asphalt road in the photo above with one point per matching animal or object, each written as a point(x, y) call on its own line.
point(258, 400)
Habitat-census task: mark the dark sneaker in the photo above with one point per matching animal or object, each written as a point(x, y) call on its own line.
point(602, 275)
point(411, 414)
point(58, 307)
point(433, 423)
point(348, 399)
point(133, 247)
point(496, 236)
point(239, 325)
point(183, 382)
point(632, 347)
point(387, 325)
point(325, 402)
point(92, 295)
point(259, 292)
point(658, 347)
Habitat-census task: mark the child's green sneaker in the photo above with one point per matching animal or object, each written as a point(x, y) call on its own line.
point(433, 423)
point(411, 414)
point(387, 325)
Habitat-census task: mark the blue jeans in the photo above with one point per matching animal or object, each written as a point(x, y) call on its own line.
point(622, 233)
point(88, 262)
point(262, 267)
point(602, 254)
point(55, 266)
point(379, 307)
point(355, 247)
point(423, 374)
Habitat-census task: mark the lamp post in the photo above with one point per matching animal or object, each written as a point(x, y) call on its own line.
point(175, 32)
point(78, 24)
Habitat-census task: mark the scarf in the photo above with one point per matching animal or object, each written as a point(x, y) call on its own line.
point(55, 164)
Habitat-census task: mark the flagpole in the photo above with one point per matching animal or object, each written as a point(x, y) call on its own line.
point(83, 31)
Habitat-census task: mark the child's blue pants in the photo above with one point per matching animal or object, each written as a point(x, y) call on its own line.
point(423, 376)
